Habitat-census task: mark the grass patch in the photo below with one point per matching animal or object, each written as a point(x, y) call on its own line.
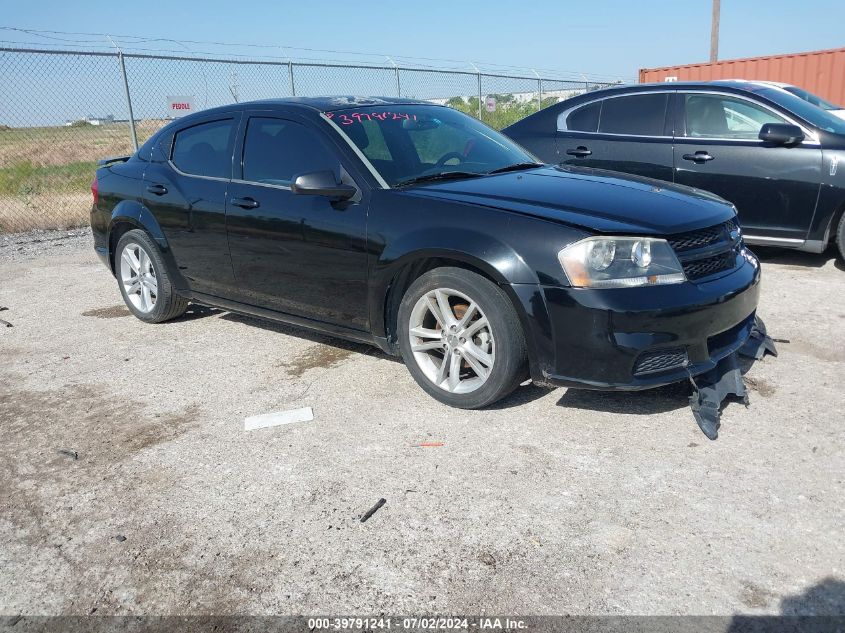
point(26, 179)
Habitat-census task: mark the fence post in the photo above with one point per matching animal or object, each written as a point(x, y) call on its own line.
point(396, 72)
point(479, 97)
point(539, 89)
point(290, 75)
point(128, 101)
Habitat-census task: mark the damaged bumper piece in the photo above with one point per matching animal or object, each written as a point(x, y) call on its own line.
point(712, 388)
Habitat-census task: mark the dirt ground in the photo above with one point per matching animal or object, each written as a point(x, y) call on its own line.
point(128, 485)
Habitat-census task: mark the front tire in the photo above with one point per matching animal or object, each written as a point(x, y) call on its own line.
point(840, 237)
point(143, 279)
point(461, 338)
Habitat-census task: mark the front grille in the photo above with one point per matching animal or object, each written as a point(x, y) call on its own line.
point(707, 251)
point(702, 237)
point(696, 269)
point(660, 360)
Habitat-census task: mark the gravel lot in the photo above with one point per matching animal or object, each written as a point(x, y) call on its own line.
point(557, 501)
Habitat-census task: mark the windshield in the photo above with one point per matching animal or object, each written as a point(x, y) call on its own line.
point(821, 119)
point(809, 97)
point(410, 143)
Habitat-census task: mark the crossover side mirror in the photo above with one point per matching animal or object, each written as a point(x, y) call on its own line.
point(321, 183)
point(781, 134)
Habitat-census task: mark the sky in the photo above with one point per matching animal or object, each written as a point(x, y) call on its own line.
point(600, 38)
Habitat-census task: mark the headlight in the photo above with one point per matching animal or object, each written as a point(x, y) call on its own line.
point(620, 262)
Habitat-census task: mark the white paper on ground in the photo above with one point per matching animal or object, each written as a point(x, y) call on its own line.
point(277, 419)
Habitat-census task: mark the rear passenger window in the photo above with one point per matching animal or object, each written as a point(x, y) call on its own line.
point(640, 115)
point(205, 149)
point(585, 118)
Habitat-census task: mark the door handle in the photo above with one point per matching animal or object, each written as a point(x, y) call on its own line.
point(157, 190)
point(579, 152)
point(245, 203)
point(699, 157)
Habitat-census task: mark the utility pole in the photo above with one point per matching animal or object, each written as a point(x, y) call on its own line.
point(714, 32)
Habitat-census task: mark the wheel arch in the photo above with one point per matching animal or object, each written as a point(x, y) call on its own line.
point(395, 279)
point(128, 215)
point(831, 234)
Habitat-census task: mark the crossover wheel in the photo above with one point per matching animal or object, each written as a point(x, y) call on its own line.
point(461, 338)
point(840, 237)
point(143, 279)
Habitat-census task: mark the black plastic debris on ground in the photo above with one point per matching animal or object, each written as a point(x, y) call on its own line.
point(725, 380)
point(758, 342)
point(711, 389)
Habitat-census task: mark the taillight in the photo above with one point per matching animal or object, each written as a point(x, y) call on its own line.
point(95, 190)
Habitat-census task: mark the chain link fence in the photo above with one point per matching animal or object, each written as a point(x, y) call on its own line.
point(61, 111)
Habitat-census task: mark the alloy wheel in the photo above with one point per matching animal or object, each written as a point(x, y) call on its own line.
point(138, 276)
point(452, 340)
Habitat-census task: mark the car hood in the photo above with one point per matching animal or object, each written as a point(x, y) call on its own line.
point(597, 200)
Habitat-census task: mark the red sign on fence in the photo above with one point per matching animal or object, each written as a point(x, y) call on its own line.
point(179, 106)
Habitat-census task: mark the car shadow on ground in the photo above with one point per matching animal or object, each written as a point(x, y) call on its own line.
point(671, 397)
point(826, 597)
point(197, 311)
point(790, 257)
point(309, 335)
point(820, 608)
point(650, 401)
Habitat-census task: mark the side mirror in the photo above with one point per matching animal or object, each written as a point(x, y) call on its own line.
point(321, 183)
point(781, 134)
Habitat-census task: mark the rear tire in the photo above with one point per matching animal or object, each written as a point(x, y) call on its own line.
point(840, 237)
point(461, 338)
point(143, 279)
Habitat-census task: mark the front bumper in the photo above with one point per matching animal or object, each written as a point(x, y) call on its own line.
point(637, 338)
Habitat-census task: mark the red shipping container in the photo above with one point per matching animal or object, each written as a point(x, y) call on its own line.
point(819, 72)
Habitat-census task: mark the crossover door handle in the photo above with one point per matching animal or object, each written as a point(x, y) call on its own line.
point(579, 152)
point(699, 157)
point(245, 203)
point(157, 190)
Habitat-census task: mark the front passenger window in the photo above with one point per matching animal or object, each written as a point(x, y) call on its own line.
point(276, 150)
point(714, 116)
point(205, 149)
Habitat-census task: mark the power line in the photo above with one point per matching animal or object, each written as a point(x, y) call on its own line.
point(143, 39)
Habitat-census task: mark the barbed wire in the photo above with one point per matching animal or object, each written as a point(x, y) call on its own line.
point(129, 43)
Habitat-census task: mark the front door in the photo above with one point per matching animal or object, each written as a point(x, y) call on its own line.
point(717, 149)
point(299, 254)
point(628, 133)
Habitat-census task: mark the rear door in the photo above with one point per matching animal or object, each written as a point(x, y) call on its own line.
point(300, 254)
point(185, 188)
point(630, 133)
point(774, 188)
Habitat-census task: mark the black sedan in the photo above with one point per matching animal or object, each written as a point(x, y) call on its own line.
point(418, 229)
point(771, 153)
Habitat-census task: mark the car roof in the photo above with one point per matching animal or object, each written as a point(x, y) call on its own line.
point(733, 84)
point(322, 104)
